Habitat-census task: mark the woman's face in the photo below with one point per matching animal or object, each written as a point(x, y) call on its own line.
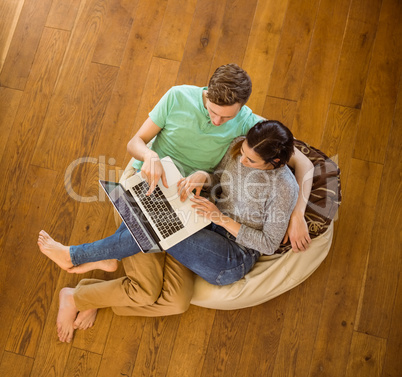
point(252, 159)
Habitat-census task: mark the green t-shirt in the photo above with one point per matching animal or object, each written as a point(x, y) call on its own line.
point(187, 134)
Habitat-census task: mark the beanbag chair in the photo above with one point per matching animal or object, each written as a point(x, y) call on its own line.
point(275, 274)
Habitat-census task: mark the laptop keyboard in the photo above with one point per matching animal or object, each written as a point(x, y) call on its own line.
point(132, 223)
point(160, 210)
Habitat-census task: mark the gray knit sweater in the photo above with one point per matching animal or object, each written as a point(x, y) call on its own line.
point(260, 200)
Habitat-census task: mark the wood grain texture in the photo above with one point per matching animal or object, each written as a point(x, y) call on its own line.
point(354, 63)
point(52, 355)
point(393, 362)
point(382, 85)
point(300, 325)
point(84, 89)
point(291, 55)
point(339, 137)
point(349, 253)
point(156, 346)
point(115, 30)
point(16, 364)
point(226, 340)
point(263, 42)
point(356, 52)
point(175, 29)
point(378, 300)
point(366, 356)
point(261, 336)
point(82, 363)
point(25, 41)
point(191, 344)
point(161, 77)
point(29, 301)
point(201, 43)
point(28, 121)
point(10, 11)
point(129, 87)
point(86, 108)
point(124, 340)
point(235, 28)
point(280, 109)
point(63, 13)
point(319, 76)
point(9, 101)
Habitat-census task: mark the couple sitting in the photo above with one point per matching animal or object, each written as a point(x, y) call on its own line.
point(255, 192)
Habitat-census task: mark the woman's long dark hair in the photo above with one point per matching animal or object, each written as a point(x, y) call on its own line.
point(271, 140)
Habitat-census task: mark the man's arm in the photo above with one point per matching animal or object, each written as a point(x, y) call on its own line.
point(297, 230)
point(152, 169)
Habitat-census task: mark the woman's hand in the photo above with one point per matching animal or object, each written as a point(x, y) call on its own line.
point(194, 181)
point(207, 209)
point(297, 232)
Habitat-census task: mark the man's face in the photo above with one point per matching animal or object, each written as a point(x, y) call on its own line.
point(221, 114)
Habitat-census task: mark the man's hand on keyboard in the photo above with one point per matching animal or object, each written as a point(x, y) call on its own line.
point(152, 171)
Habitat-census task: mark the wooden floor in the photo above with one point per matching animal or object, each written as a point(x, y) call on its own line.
point(77, 79)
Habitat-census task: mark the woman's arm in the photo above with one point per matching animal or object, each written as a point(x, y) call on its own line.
point(210, 211)
point(297, 230)
point(152, 169)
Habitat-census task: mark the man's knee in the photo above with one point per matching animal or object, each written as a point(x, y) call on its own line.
point(141, 293)
point(182, 304)
point(177, 296)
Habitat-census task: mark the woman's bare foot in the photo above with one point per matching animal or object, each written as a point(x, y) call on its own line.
point(57, 252)
point(108, 265)
point(67, 315)
point(85, 319)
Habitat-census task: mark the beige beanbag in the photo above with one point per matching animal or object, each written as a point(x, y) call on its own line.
point(269, 278)
point(278, 273)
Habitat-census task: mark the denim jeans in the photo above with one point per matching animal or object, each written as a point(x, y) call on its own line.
point(211, 253)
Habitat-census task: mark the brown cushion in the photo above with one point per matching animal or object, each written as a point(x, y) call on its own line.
point(325, 196)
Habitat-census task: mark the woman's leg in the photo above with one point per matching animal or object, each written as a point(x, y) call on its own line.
point(117, 246)
point(102, 252)
point(213, 256)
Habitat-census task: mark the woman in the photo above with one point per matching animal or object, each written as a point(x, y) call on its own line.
point(255, 193)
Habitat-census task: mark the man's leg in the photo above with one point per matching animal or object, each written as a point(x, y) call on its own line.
point(141, 287)
point(175, 295)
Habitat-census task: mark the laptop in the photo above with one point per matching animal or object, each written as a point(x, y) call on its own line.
point(158, 221)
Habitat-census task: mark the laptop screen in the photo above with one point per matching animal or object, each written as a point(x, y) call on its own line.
point(131, 215)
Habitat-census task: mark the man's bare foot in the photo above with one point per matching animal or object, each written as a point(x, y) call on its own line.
point(108, 265)
point(67, 315)
point(57, 252)
point(85, 319)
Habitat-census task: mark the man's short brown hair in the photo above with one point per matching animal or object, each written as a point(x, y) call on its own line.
point(228, 85)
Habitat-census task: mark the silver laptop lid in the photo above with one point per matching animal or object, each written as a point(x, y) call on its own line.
point(132, 216)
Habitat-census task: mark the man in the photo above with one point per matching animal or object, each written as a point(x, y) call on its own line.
point(194, 126)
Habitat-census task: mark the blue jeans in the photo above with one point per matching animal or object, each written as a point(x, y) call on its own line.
point(211, 253)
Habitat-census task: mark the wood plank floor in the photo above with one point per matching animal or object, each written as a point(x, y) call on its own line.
point(77, 79)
